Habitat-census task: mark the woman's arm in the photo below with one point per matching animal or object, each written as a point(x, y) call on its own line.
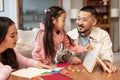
point(27, 62)
point(5, 71)
point(24, 61)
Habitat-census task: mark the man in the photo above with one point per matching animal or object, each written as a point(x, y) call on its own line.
point(87, 32)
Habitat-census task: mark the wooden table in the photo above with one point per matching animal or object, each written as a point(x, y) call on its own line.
point(97, 74)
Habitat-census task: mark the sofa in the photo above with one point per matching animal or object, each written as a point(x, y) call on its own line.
point(26, 41)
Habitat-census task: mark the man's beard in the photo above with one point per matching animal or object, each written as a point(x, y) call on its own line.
point(83, 33)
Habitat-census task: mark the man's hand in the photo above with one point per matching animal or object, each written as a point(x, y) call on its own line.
point(110, 66)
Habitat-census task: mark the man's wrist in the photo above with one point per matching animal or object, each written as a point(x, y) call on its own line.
point(106, 61)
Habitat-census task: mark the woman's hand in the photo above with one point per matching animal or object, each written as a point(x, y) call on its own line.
point(41, 65)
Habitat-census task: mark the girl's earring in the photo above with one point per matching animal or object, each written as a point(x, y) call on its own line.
point(53, 22)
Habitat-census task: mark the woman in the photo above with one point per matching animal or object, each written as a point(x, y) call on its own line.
point(9, 58)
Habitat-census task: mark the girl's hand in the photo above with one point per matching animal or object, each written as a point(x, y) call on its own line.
point(88, 47)
point(41, 65)
point(74, 60)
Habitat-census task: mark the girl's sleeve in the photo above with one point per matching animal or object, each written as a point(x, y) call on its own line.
point(24, 61)
point(5, 71)
point(38, 52)
point(75, 47)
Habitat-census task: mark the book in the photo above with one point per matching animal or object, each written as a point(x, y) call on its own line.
point(91, 57)
point(32, 72)
point(103, 65)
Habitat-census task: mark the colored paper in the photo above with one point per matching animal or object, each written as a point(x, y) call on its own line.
point(54, 77)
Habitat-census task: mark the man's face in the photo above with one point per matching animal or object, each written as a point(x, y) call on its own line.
point(84, 21)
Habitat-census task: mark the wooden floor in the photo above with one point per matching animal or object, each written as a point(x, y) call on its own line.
point(117, 59)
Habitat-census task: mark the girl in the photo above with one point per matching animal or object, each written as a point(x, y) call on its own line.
point(51, 35)
point(9, 58)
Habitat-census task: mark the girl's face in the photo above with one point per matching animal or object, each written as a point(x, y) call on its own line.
point(60, 22)
point(11, 37)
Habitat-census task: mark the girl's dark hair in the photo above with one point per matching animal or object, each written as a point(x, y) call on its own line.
point(55, 12)
point(8, 57)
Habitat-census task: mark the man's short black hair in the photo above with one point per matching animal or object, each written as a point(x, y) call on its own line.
point(90, 9)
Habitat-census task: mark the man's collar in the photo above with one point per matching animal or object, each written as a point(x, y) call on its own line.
point(93, 35)
point(74, 34)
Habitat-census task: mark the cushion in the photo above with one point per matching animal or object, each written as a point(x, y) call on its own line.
point(26, 41)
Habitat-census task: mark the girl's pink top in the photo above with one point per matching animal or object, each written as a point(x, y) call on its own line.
point(38, 52)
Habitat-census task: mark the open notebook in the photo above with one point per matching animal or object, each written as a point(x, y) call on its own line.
point(32, 72)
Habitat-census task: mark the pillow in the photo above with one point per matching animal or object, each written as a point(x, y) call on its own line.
point(26, 41)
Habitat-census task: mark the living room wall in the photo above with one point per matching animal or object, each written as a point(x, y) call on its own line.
point(9, 10)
